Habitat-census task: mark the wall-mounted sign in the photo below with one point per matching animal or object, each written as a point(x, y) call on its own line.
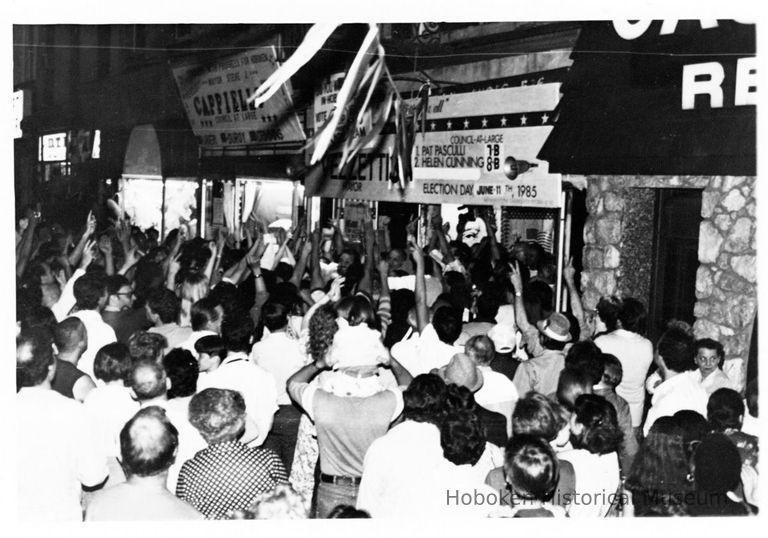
point(216, 96)
point(461, 157)
point(83, 145)
point(53, 147)
point(671, 97)
point(19, 106)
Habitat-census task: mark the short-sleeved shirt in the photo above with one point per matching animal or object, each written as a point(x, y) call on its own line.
point(129, 502)
point(346, 426)
point(56, 453)
point(540, 373)
point(228, 476)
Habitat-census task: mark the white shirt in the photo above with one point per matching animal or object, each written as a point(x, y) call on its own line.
point(597, 480)
point(189, 343)
point(281, 356)
point(256, 385)
point(420, 355)
point(401, 482)
point(56, 453)
point(635, 353)
point(67, 298)
point(497, 394)
point(190, 440)
point(99, 335)
point(108, 408)
point(682, 391)
point(716, 380)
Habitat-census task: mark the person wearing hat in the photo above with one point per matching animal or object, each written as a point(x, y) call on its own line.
point(463, 372)
point(508, 354)
point(717, 475)
point(545, 343)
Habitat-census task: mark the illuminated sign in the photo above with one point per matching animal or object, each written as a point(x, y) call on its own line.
point(53, 147)
point(18, 112)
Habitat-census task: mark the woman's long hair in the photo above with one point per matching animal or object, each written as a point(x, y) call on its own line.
point(658, 477)
point(322, 328)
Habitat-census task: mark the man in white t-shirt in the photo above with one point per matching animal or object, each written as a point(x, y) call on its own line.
point(635, 353)
point(498, 392)
point(237, 372)
point(57, 452)
point(680, 388)
point(434, 347)
point(91, 298)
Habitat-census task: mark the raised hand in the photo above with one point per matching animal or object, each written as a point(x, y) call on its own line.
point(90, 225)
point(568, 271)
point(334, 294)
point(105, 245)
point(383, 267)
point(89, 252)
point(515, 278)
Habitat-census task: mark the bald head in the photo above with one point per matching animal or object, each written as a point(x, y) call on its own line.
point(148, 443)
point(148, 380)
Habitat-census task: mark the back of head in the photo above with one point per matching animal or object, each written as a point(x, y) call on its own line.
point(462, 437)
point(585, 356)
point(148, 443)
point(70, 335)
point(536, 415)
point(693, 427)
point(571, 384)
point(632, 315)
point(480, 349)
point(600, 433)
point(361, 312)
point(608, 309)
point(165, 304)
point(115, 282)
point(182, 369)
point(488, 305)
point(34, 357)
point(402, 301)
point(212, 345)
point(424, 399)
point(675, 346)
point(725, 410)
point(347, 511)
point(661, 463)
point(226, 294)
point(236, 331)
point(204, 313)
point(89, 289)
point(531, 467)
point(218, 414)
point(282, 503)
point(148, 379)
point(459, 398)
point(112, 363)
point(38, 316)
point(322, 328)
point(447, 324)
point(613, 371)
point(717, 465)
point(752, 398)
point(275, 315)
point(144, 345)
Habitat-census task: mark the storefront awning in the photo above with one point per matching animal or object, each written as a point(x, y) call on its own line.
point(660, 97)
point(167, 150)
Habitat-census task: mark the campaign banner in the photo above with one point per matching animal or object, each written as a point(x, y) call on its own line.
point(463, 157)
point(215, 97)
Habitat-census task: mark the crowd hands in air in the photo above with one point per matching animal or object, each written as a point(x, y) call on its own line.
point(309, 376)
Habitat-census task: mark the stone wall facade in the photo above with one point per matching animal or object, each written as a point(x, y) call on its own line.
point(726, 280)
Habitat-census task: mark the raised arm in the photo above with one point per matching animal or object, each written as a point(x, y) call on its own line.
point(261, 295)
point(490, 227)
point(90, 228)
point(369, 238)
point(517, 282)
point(577, 309)
point(420, 288)
point(317, 275)
point(105, 246)
point(301, 264)
point(24, 249)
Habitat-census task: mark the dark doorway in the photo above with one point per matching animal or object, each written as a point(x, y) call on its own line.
point(676, 259)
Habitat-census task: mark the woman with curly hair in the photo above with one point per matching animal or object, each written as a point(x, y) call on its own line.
point(659, 476)
point(595, 436)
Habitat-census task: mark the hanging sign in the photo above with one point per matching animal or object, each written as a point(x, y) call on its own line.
point(475, 150)
point(216, 96)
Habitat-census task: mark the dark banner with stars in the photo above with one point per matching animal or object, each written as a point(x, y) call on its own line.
point(471, 143)
point(658, 97)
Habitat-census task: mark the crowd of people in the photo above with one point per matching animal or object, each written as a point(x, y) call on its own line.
point(293, 374)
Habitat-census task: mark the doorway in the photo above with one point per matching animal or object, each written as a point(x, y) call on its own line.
point(676, 258)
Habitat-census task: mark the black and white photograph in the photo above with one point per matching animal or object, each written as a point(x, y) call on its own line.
point(350, 268)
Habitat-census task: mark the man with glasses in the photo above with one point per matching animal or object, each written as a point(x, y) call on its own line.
point(119, 312)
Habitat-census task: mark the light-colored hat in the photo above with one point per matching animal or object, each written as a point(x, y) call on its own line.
point(556, 326)
point(504, 338)
point(462, 371)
